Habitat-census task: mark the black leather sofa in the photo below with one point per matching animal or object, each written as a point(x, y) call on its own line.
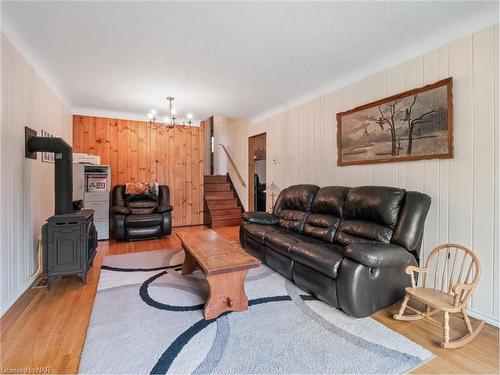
point(346, 246)
point(138, 219)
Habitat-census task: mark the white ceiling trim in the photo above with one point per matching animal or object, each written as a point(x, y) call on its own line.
point(463, 29)
point(96, 112)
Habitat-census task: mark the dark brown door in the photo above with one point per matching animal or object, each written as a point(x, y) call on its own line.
point(257, 172)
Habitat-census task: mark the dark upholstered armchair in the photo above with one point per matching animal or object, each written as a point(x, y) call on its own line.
point(137, 219)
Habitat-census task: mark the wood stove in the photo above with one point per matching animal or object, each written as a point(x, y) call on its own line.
point(69, 238)
point(69, 245)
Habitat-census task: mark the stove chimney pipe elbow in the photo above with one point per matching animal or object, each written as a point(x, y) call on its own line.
point(63, 175)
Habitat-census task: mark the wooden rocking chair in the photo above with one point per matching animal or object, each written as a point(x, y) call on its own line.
point(453, 282)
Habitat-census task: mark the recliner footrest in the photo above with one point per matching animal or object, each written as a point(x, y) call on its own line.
point(142, 221)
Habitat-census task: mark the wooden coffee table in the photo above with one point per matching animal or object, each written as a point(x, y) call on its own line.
point(225, 266)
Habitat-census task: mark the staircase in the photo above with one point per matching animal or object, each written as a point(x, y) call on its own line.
point(222, 202)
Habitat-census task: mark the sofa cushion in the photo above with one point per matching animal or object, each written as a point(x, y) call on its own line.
point(321, 226)
point(370, 214)
point(145, 232)
point(258, 231)
point(142, 221)
point(292, 206)
point(344, 239)
point(326, 213)
point(142, 207)
point(292, 220)
point(319, 255)
point(296, 197)
point(366, 230)
point(330, 200)
point(281, 241)
point(377, 204)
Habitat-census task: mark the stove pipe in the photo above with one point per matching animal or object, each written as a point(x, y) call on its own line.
point(63, 174)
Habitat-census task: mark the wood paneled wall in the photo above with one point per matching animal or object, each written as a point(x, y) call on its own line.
point(138, 152)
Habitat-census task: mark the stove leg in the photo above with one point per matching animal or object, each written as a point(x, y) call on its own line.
point(50, 282)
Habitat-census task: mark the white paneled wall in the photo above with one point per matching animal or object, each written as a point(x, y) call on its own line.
point(232, 133)
point(27, 186)
point(464, 190)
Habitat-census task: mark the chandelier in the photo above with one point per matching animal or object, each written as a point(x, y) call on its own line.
point(169, 121)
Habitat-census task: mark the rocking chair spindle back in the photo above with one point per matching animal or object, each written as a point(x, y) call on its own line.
point(451, 274)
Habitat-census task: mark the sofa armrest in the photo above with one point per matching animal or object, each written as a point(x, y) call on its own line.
point(120, 210)
point(260, 218)
point(164, 208)
point(166, 223)
point(378, 255)
point(118, 227)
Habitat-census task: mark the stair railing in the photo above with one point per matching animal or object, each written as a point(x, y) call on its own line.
point(233, 164)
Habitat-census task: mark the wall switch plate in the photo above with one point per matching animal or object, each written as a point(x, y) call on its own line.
point(28, 132)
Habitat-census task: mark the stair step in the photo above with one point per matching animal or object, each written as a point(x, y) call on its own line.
point(227, 213)
point(222, 202)
point(217, 187)
point(215, 179)
point(226, 222)
point(219, 204)
point(214, 195)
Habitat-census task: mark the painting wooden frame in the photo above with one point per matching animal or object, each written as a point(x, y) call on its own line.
point(351, 149)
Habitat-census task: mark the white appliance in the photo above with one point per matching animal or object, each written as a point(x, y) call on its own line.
point(96, 196)
point(78, 182)
point(80, 158)
point(91, 184)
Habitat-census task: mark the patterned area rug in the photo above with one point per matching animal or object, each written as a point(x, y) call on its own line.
point(147, 318)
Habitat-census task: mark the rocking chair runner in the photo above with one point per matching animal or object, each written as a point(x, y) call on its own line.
point(453, 270)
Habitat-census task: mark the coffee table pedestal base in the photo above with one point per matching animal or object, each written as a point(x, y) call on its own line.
point(227, 293)
point(227, 289)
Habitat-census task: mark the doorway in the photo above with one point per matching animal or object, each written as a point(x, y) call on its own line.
point(257, 172)
point(208, 134)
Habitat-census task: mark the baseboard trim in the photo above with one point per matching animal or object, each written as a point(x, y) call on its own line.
point(18, 295)
point(488, 319)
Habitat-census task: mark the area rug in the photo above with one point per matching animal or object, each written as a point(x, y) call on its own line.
point(147, 318)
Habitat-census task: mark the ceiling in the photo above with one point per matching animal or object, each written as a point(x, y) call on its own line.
point(244, 59)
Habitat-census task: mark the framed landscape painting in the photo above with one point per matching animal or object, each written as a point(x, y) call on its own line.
point(414, 125)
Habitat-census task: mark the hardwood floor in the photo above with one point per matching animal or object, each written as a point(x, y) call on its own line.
point(46, 329)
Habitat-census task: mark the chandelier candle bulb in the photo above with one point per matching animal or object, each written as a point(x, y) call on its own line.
point(168, 121)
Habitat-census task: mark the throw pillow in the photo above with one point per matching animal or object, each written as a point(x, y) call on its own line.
point(138, 191)
point(136, 188)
